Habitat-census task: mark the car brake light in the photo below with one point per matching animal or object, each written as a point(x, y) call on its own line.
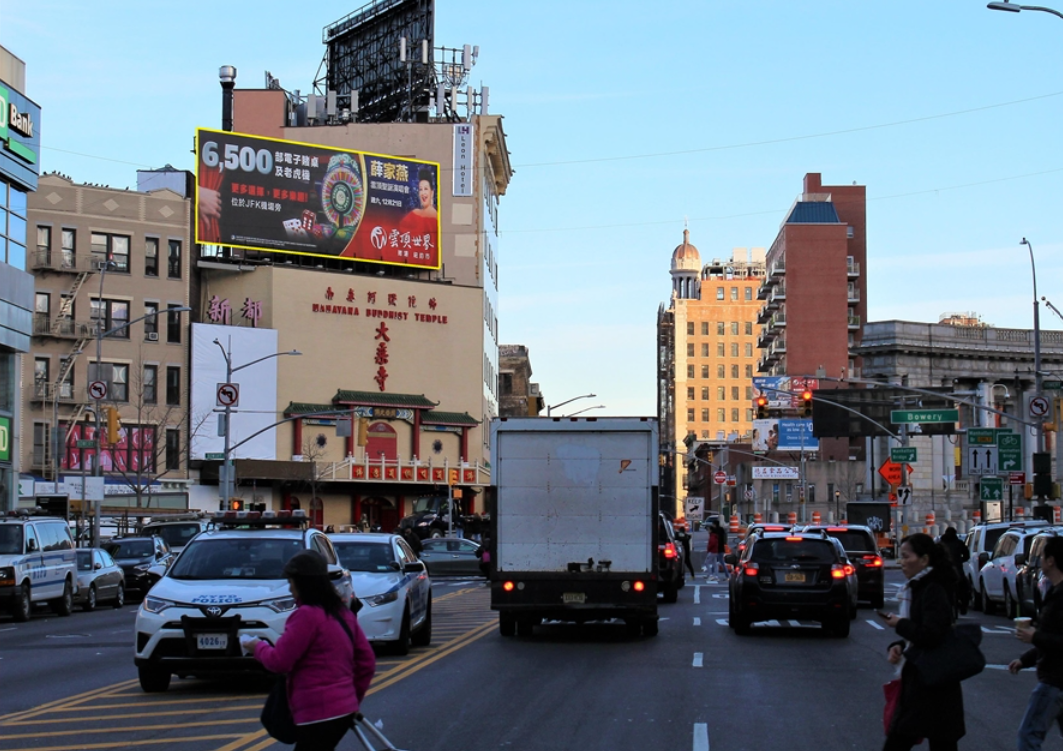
point(638, 586)
point(837, 571)
point(793, 539)
point(508, 586)
point(849, 569)
point(751, 569)
point(669, 551)
point(872, 560)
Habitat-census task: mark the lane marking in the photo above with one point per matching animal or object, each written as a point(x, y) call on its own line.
point(794, 624)
point(698, 657)
point(722, 621)
point(697, 595)
point(874, 625)
point(697, 621)
point(142, 742)
point(701, 736)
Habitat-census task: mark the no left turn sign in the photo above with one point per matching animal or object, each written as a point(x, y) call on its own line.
point(1038, 406)
point(228, 394)
point(98, 390)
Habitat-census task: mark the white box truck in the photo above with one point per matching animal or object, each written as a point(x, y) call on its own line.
point(575, 521)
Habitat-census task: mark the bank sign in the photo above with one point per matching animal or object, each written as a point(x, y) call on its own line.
point(20, 138)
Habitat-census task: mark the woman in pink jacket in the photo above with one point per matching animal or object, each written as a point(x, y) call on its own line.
point(328, 667)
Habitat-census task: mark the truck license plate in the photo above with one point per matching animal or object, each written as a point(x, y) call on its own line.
point(577, 598)
point(212, 641)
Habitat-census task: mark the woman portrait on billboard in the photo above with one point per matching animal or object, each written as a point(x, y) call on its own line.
point(423, 220)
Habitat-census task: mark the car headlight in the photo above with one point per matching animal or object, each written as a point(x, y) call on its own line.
point(142, 567)
point(281, 604)
point(157, 604)
point(383, 599)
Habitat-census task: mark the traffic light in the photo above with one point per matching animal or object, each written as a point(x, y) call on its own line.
point(762, 407)
point(235, 504)
point(363, 431)
point(1042, 474)
point(114, 426)
point(806, 403)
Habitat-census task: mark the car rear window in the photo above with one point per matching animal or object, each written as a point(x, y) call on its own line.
point(176, 535)
point(375, 557)
point(130, 548)
point(782, 550)
point(854, 540)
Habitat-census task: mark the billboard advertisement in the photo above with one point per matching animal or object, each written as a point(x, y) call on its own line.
point(287, 197)
point(783, 392)
point(783, 435)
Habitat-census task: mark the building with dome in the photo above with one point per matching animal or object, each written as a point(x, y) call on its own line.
point(706, 356)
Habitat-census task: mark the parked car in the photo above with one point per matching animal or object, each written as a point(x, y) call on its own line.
point(670, 574)
point(228, 582)
point(393, 586)
point(1031, 585)
point(862, 550)
point(177, 534)
point(37, 564)
point(982, 539)
point(100, 579)
point(451, 556)
point(997, 577)
point(143, 560)
point(792, 576)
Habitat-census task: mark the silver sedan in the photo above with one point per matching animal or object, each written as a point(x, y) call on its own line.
point(100, 579)
point(451, 556)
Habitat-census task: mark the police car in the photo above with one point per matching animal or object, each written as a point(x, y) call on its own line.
point(228, 581)
point(393, 586)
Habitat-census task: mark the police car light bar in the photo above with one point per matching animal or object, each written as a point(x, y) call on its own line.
point(296, 517)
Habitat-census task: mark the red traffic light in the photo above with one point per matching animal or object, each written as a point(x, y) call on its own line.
point(806, 395)
point(762, 401)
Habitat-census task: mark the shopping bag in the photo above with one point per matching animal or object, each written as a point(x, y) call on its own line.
point(892, 690)
point(957, 658)
point(276, 715)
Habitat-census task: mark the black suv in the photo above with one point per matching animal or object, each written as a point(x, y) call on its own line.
point(670, 578)
point(143, 560)
point(862, 551)
point(792, 576)
point(429, 517)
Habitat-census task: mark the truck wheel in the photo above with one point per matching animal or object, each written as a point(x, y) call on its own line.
point(649, 627)
point(153, 680)
point(21, 605)
point(670, 592)
point(525, 627)
point(64, 606)
point(507, 625)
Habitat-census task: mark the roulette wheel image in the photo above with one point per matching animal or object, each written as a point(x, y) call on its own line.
point(343, 191)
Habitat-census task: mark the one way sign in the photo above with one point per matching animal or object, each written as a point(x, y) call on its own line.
point(981, 460)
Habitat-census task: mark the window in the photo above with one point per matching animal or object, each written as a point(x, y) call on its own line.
point(44, 246)
point(40, 443)
point(749, 349)
point(734, 293)
point(690, 371)
point(734, 328)
point(749, 393)
point(690, 415)
point(749, 371)
point(721, 371)
point(173, 385)
point(734, 349)
point(151, 381)
point(705, 415)
point(830, 492)
point(66, 372)
point(114, 248)
point(704, 349)
point(719, 293)
point(749, 293)
point(721, 415)
point(734, 393)
point(749, 415)
point(173, 325)
point(173, 448)
point(704, 371)
point(69, 238)
point(704, 393)
point(749, 328)
point(690, 328)
point(690, 393)
point(721, 393)
point(721, 349)
point(173, 265)
point(775, 492)
point(506, 383)
point(151, 256)
point(704, 328)
point(734, 371)
point(41, 379)
point(690, 349)
point(734, 414)
point(721, 328)
point(110, 314)
point(151, 323)
point(115, 375)
point(812, 493)
point(42, 303)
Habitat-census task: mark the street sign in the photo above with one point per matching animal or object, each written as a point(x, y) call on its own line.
point(1009, 448)
point(891, 472)
point(991, 489)
point(98, 390)
point(228, 395)
point(1052, 385)
point(214, 456)
point(1038, 406)
point(904, 494)
point(1016, 478)
point(83, 443)
point(982, 460)
point(731, 481)
point(903, 454)
point(901, 416)
point(982, 436)
point(720, 477)
point(695, 508)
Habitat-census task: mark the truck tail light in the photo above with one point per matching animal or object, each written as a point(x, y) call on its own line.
point(638, 586)
point(508, 586)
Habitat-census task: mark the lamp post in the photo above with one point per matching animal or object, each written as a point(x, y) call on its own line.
point(561, 404)
point(1014, 8)
point(1036, 345)
point(227, 474)
point(587, 409)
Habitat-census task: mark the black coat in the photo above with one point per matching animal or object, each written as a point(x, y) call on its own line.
point(926, 712)
point(1047, 650)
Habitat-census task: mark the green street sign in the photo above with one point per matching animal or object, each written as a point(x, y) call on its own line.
point(991, 489)
point(982, 436)
point(1052, 385)
point(5, 439)
point(86, 443)
point(901, 416)
point(1009, 452)
point(214, 456)
point(903, 454)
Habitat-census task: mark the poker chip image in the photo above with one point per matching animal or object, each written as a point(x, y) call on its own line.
point(343, 191)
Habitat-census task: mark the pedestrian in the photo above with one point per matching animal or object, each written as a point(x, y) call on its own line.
point(960, 554)
point(323, 652)
point(926, 616)
point(720, 534)
point(1046, 701)
point(412, 540)
point(683, 535)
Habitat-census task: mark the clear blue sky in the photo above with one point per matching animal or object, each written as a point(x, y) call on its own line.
point(624, 118)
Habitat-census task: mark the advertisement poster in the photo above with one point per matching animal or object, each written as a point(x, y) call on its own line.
point(776, 388)
point(287, 197)
point(783, 435)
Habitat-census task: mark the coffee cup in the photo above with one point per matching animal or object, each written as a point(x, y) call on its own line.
point(1023, 622)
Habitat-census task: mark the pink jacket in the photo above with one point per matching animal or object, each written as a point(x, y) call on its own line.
point(327, 676)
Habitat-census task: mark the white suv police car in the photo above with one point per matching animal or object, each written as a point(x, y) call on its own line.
point(227, 582)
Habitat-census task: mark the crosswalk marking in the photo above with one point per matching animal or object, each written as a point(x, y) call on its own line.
point(874, 625)
point(697, 621)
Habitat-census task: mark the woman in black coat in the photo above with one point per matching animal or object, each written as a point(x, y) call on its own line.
point(926, 618)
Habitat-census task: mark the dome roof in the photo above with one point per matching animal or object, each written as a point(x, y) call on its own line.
point(686, 257)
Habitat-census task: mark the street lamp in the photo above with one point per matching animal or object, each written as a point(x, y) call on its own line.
point(227, 474)
point(588, 409)
point(555, 406)
point(1013, 8)
point(1036, 345)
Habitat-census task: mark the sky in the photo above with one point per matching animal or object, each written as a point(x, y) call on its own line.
point(628, 121)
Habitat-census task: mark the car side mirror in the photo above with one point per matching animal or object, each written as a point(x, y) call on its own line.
point(97, 566)
point(983, 559)
point(335, 573)
point(31, 546)
point(1020, 559)
point(731, 560)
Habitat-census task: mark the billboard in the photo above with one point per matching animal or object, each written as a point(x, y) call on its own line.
point(783, 435)
point(288, 197)
point(20, 138)
point(783, 392)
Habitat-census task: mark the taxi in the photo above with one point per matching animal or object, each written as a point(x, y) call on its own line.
point(229, 581)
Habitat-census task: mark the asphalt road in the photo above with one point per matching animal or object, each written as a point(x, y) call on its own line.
point(69, 683)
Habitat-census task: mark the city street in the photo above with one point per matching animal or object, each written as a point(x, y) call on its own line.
point(69, 683)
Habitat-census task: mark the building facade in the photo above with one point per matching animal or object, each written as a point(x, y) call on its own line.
point(20, 148)
point(104, 258)
point(518, 395)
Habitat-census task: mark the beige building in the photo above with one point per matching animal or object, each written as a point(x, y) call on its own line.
point(707, 354)
point(104, 257)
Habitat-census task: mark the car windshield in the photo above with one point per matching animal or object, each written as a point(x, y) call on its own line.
point(176, 535)
point(365, 556)
point(243, 558)
point(84, 560)
point(130, 548)
point(422, 505)
point(853, 540)
point(784, 551)
point(10, 539)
